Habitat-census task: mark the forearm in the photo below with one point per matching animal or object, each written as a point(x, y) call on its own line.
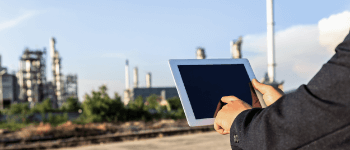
point(296, 119)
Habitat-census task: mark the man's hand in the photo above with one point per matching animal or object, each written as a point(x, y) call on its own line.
point(228, 113)
point(270, 94)
point(235, 106)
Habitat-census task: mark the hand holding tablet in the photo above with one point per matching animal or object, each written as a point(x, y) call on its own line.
point(235, 106)
point(202, 83)
point(228, 113)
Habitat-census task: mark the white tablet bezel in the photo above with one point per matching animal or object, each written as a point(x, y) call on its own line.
point(173, 63)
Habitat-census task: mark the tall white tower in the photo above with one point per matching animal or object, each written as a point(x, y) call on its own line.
point(127, 91)
point(148, 80)
point(200, 53)
point(236, 48)
point(127, 82)
point(56, 71)
point(270, 41)
point(136, 78)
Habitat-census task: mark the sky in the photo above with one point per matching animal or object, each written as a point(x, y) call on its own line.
point(94, 38)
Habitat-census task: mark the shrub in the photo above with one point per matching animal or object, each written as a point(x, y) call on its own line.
point(43, 107)
point(174, 103)
point(18, 112)
point(71, 105)
point(100, 107)
point(57, 119)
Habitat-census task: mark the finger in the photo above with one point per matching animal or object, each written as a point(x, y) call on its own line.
point(262, 88)
point(218, 128)
point(228, 99)
point(226, 132)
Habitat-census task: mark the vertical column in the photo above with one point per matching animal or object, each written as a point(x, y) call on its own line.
point(148, 80)
point(236, 48)
point(200, 53)
point(163, 94)
point(270, 41)
point(127, 75)
point(136, 78)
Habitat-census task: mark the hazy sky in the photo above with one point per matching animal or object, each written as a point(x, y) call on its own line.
point(95, 37)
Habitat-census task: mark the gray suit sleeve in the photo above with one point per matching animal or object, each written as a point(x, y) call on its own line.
point(313, 111)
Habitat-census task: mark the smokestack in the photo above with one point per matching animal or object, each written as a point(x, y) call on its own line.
point(0, 61)
point(52, 47)
point(163, 94)
point(200, 53)
point(236, 48)
point(270, 41)
point(136, 78)
point(148, 80)
point(127, 75)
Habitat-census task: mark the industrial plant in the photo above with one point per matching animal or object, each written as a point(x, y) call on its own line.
point(167, 92)
point(30, 83)
point(131, 93)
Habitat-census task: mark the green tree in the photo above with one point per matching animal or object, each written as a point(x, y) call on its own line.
point(152, 102)
point(71, 105)
point(43, 107)
point(19, 108)
point(174, 103)
point(100, 107)
point(179, 114)
point(57, 119)
point(18, 112)
point(137, 104)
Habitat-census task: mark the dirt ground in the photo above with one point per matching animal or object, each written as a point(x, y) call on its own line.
point(200, 141)
point(69, 129)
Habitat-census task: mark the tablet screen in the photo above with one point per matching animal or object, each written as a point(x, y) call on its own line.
point(207, 84)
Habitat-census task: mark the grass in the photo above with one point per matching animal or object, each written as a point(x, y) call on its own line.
point(13, 126)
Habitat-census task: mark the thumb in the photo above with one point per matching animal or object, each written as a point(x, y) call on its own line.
point(228, 99)
point(262, 88)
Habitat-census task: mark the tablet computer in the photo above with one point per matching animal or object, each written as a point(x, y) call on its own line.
point(201, 83)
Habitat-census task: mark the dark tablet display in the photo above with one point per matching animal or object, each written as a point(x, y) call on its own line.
point(207, 84)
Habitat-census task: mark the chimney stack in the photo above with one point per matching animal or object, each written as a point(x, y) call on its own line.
point(200, 53)
point(52, 47)
point(136, 78)
point(163, 94)
point(270, 41)
point(148, 80)
point(0, 62)
point(236, 48)
point(127, 75)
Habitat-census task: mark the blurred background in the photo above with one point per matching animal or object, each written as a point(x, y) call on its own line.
point(72, 63)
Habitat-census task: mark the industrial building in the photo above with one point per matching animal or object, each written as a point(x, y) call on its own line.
point(71, 86)
point(32, 76)
point(131, 93)
point(30, 83)
point(63, 87)
point(167, 92)
point(8, 88)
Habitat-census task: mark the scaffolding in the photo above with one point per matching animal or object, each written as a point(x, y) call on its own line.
point(32, 76)
point(71, 86)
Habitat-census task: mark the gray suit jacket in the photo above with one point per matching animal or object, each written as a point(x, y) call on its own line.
point(315, 116)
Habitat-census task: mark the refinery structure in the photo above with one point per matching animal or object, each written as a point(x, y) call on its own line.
point(131, 93)
point(30, 83)
point(168, 92)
